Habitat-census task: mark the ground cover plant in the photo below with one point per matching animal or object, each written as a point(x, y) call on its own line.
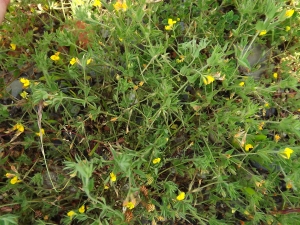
point(150, 112)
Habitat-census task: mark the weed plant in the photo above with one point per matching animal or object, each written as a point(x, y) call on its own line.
point(150, 112)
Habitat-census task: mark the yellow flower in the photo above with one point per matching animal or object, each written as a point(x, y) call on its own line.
point(155, 161)
point(13, 46)
point(267, 105)
point(106, 187)
point(262, 33)
point(19, 127)
point(287, 153)
point(181, 196)
point(42, 132)
point(261, 126)
point(24, 94)
point(55, 57)
point(170, 24)
point(88, 61)
point(81, 209)
point(71, 214)
point(289, 13)
point(208, 79)
point(248, 147)
point(119, 5)
point(181, 59)
point(242, 83)
point(287, 28)
point(276, 138)
point(72, 61)
point(15, 180)
point(130, 205)
point(113, 177)
point(275, 75)
point(25, 82)
point(289, 185)
point(78, 2)
point(10, 175)
point(97, 3)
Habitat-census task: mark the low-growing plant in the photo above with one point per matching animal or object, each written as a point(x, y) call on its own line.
point(132, 112)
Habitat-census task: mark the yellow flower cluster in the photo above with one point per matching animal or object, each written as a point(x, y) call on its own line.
point(73, 213)
point(14, 179)
point(24, 95)
point(261, 126)
point(74, 60)
point(25, 82)
point(120, 5)
point(276, 138)
point(181, 59)
point(130, 205)
point(19, 127)
point(170, 24)
point(55, 57)
point(42, 132)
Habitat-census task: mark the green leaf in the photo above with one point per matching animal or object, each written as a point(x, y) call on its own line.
point(9, 219)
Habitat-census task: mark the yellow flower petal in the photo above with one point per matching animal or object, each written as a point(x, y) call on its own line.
point(242, 83)
point(25, 82)
point(119, 5)
point(289, 13)
point(81, 209)
point(130, 205)
point(19, 127)
point(42, 132)
point(71, 214)
point(13, 46)
point(15, 180)
point(208, 79)
point(89, 61)
point(54, 57)
point(10, 175)
point(248, 147)
point(97, 3)
point(113, 177)
point(276, 138)
point(73, 61)
point(181, 196)
point(287, 153)
point(262, 33)
point(24, 95)
point(168, 27)
point(155, 161)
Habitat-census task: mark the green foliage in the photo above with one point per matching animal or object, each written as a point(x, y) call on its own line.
point(150, 111)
